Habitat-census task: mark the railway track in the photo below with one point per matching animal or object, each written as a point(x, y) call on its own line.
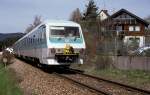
point(99, 92)
point(100, 85)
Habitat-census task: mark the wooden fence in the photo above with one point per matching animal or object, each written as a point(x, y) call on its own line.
point(132, 63)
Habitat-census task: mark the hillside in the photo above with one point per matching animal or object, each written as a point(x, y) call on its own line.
point(4, 36)
point(8, 39)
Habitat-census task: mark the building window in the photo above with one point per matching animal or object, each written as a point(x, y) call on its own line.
point(137, 28)
point(119, 28)
point(131, 28)
point(134, 28)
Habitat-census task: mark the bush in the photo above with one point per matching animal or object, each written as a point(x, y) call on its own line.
point(7, 58)
point(102, 62)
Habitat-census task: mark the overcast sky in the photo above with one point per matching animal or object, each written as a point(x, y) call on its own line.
point(16, 15)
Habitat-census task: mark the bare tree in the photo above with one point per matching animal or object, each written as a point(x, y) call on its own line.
point(36, 22)
point(29, 28)
point(76, 15)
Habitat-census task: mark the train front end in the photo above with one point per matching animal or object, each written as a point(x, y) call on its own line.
point(66, 45)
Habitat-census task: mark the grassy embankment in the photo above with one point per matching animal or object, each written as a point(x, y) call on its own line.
point(137, 78)
point(8, 84)
point(132, 77)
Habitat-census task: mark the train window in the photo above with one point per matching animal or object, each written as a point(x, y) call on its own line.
point(43, 35)
point(29, 41)
point(42, 28)
point(72, 31)
point(40, 40)
point(25, 41)
point(37, 40)
point(33, 40)
point(59, 31)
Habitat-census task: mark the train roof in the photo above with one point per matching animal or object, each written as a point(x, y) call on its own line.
point(61, 22)
point(52, 23)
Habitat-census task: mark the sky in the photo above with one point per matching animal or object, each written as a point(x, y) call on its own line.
point(16, 15)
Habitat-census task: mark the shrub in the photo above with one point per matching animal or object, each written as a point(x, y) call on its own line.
point(7, 58)
point(102, 62)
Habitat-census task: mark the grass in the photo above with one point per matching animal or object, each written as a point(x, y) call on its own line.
point(132, 77)
point(137, 78)
point(8, 85)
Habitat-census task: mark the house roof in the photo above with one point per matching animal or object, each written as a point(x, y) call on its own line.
point(105, 11)
point(131, 14)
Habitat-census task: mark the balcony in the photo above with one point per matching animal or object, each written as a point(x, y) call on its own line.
point(124, 21)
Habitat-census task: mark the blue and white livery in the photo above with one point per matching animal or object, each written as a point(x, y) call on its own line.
point(53, 43)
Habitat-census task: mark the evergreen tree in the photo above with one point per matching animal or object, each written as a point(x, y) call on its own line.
point(91, 11)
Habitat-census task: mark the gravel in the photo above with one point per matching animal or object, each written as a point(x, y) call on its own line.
point(107, 87)
point(34, 81)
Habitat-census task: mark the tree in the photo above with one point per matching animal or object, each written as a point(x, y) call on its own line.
point(76, 15)
point(147, 19)
point(29, 28)
point(91, 11)
point(36, 22)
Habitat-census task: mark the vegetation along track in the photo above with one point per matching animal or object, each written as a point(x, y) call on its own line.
point(100, 85)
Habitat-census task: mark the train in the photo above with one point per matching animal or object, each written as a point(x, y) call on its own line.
point(53, 43)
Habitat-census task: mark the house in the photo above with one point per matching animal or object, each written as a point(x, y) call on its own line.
point(103, 14)
point(126, 24)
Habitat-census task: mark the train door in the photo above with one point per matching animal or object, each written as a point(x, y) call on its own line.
point(43, 42)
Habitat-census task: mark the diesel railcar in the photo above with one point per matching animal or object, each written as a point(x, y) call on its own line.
point(53, 42)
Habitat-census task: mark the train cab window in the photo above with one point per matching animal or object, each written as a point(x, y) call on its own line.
point(27, 40)
point(63, 31)
point(72, 32)
point(57, 31)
